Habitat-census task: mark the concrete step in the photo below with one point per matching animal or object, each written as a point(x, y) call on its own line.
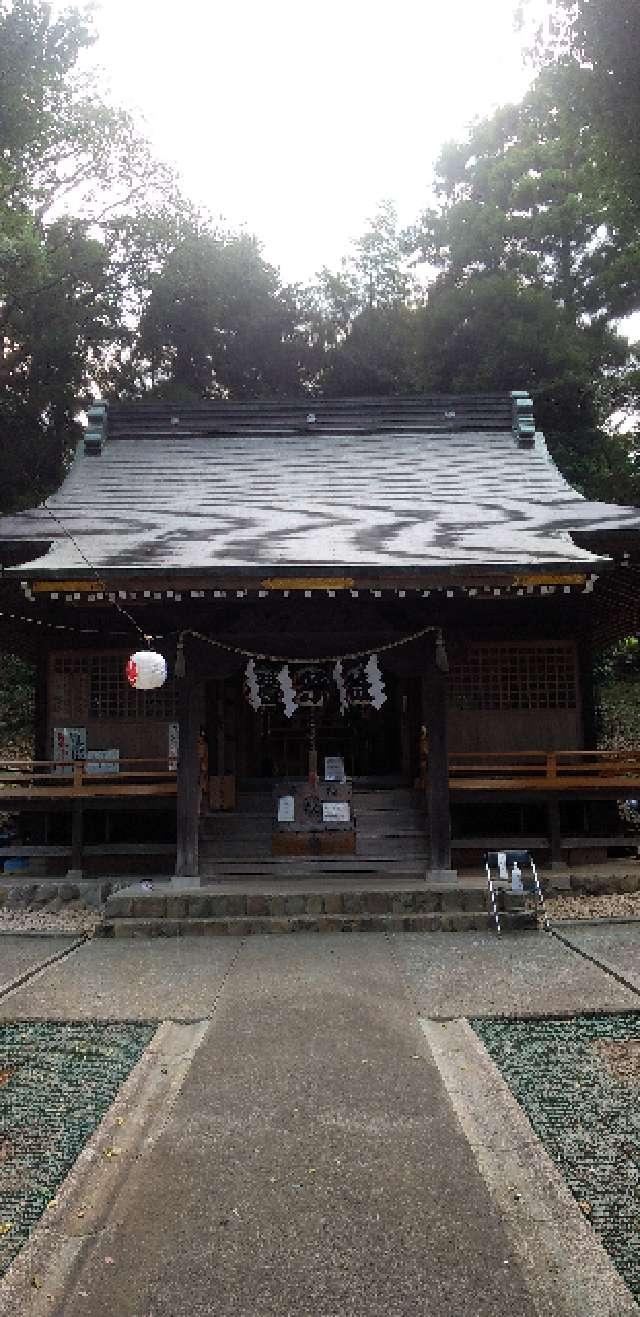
point(245, 926)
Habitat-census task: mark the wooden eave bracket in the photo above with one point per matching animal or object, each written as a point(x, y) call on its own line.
point(524, 426)
point(96, 431)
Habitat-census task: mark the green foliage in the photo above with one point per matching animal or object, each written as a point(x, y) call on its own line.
point(16, 705)
point(619, 715)
point(75, 179)
point(218, 322)
point(524, 194)
point(598, 43)
point(379, 355)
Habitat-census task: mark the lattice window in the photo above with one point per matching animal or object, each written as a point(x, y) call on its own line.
point(69, 688)
point(111, 696)
point(515, 677)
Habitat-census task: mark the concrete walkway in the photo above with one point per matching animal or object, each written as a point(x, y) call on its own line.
point(310, 1161)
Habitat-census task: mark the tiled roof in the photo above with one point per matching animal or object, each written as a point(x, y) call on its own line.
point(383, 483)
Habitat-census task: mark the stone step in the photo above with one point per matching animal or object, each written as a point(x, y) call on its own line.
point(204, 904)
point(245, 926)
point(163, 902)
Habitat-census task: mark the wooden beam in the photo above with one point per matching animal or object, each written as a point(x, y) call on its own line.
point(190, 718)
point(77, 831)
point(438, 780)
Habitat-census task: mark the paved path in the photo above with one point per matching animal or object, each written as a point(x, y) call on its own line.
point(311, 1162)
point(20, 953)
point(531, 974)
point(160, 979)
point(449, 974)
point(616, 946)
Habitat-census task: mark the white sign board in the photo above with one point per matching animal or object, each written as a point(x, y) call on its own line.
point(336, 811)
point(286, 809)
point(69, 743)
point(334, 768)
point(103, 761)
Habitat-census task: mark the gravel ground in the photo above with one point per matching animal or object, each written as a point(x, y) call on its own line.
point(576, 905)
point(71, 918)
point(578, 1083)
point(56, 1082)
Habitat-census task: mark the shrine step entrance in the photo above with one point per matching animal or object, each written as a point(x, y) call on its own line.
point(391, 833)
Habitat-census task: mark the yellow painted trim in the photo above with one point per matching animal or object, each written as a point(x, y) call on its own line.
point(308, 583)
point(551, 578)
point(62, 587)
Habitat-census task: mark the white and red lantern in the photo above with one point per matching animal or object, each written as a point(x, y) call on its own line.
point(146, 670)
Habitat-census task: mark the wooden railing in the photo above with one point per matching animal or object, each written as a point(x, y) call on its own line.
point(81, 778)
point(545, 770)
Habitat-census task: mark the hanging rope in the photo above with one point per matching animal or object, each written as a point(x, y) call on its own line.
point(286, 658)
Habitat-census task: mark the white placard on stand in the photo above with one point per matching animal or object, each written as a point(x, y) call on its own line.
point(334, 768)
point(336, 811)
point(286, 809)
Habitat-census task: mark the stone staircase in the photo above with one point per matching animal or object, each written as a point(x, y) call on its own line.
point(326, 905)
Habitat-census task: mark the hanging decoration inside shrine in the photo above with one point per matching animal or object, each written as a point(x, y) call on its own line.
point(288, 691)
point(146, 670)
point(359, 682)
point(312, 684)
point(307, 685)
point(262, 686)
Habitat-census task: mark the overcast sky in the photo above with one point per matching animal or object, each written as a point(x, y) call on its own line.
point(296, 118)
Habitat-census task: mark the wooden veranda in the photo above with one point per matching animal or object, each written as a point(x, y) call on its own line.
point(546, 777)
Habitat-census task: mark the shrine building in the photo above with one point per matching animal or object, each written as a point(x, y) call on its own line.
point(379, 618)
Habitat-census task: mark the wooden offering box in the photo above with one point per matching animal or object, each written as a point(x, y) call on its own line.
point(314, 819)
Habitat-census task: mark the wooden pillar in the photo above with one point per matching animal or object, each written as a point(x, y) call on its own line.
point(77, 831)
point(587, 697)
point(190, 716)
point(438, 782)
point(555, 837)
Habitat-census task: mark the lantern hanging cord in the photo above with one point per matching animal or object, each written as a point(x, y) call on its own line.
point(51, 626)
point(103, 585)
point(96, 574)
point(324, 658)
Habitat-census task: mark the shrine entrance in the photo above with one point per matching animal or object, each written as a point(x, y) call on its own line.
point(264, 743)
point(368, 740)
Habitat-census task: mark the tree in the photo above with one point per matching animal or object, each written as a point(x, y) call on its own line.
point(522, 195)
point(378, 356)
point(492, 333)
point(603, 38)
point(357, 319)
point(218, 322)
point(596, 43)
point(79, 194)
